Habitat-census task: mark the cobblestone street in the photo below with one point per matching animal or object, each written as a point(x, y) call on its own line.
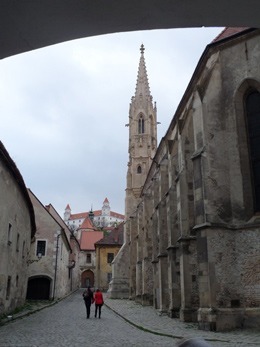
point(65, 324)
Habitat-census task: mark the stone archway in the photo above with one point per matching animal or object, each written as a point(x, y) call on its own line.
point(38, 288)
point(27, 25)
point(87, 279)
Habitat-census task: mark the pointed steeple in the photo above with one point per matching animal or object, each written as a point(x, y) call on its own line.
point(142, 85)
point(142, 137)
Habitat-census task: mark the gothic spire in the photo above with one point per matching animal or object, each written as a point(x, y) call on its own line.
point(142, 85)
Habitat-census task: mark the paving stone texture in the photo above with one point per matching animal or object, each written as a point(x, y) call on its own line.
point(123, 323)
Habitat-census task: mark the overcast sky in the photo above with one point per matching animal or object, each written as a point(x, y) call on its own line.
point(64, 108)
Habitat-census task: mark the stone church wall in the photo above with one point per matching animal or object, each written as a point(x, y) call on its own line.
point(200, 222)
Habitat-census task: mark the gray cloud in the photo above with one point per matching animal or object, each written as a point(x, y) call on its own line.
point(64, 108)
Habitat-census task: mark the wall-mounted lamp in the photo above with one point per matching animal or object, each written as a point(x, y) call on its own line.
point(30, 261)
point(72, 264)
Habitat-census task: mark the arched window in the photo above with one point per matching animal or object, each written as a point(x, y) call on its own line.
point(141, 125)
point(139, 169)
point(252, 105)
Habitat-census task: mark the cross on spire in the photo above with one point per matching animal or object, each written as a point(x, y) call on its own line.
point(142, 49)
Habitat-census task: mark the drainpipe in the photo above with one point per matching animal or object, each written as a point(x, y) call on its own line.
point(56, 264)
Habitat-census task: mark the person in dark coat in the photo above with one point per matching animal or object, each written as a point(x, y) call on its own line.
point(88, 298)
point(99, 301)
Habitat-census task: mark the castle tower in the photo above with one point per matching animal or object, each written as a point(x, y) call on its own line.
point(67, 213)
point(106, 208)
point(141, 149)
point(142, 137)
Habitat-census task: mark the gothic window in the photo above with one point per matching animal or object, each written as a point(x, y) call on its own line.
point(17, 242)
point(252, 104)
point(139, 169)
point(9, 234)
point(8, 287)
point(141, 125)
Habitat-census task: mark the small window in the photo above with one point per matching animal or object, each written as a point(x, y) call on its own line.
point(17, 242)
point(8, 288)
point(41, 247)
point(9, 234)
point(110, 257)
point(23, 250)
point(88, 257)
point(139, 169)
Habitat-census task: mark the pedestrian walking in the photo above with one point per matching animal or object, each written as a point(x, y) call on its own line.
point(88, 299)
point(99, 301)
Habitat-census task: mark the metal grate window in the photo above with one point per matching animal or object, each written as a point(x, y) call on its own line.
point(41, 247)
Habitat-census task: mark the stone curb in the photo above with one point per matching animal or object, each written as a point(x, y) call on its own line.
point(160, 333)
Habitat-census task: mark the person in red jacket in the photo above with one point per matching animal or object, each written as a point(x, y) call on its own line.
point(99, 301)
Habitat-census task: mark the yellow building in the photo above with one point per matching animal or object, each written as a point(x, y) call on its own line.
point(106, 250)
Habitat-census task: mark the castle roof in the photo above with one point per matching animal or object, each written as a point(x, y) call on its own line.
point(68, 207)
point(97, 213)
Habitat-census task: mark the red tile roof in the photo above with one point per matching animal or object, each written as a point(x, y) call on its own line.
point(87, 224)
point(228, 32)
point(115, 237)
point(89, 238)
point(117, 215)
point(84, 215)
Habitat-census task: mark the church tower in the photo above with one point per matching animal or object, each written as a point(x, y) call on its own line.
point(142, 137)
point(142, 147)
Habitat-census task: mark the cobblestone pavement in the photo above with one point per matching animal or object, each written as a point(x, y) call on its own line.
point(65, 324)
point(148, 318)
point(123, 323)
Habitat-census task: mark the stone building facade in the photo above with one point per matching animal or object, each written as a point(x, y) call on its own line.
point(50, 271)
point(87, 235)
point(106, 250)
point(17, 228)
point(193, 247)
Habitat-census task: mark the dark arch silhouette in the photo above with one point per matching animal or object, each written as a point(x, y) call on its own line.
point(28, 25)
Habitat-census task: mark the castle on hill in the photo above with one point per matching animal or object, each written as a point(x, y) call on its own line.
point(104, 218)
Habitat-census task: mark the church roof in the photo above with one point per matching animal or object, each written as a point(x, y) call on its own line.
point(142, 85)
point(89, 238)
point(106, 200)
point(228, 32)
